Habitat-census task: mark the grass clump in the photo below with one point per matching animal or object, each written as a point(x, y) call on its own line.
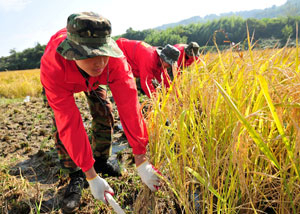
point(19, 84)
point(232, 143)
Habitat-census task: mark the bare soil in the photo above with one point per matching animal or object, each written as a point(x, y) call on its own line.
point(28, 155)
point(31, 180)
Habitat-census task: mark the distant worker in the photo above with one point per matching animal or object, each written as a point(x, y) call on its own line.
point(149, 63)
point(79, 58)
point(188, 54)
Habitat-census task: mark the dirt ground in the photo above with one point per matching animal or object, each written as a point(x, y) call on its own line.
point(28, 156)
point(31, 180)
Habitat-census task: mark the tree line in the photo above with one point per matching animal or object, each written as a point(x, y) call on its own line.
point(233, 29)
point(29, 58)
point(290, 8)
point(265, 32)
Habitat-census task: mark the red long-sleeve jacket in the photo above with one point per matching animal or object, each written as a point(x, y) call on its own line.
point(182, 62)
point(61, 79)
point(145, 63)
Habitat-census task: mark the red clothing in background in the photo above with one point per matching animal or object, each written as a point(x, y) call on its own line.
point(145, 63)
point(182, 62)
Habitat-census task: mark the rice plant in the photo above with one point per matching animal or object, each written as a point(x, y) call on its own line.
point(233, 138)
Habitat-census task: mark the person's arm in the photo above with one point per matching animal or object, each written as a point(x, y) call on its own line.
point(191, 60)
point(166, 78)
point(70, 127)
point(146, 77)
point(124, 91)
point(90, 174)
point(180, 47)
point(139, 159)
point(67, 116)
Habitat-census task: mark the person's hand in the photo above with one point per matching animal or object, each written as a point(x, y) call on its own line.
point(99, 187)
point(148, 172)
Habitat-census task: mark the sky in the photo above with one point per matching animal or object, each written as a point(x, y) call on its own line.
point(24, 23)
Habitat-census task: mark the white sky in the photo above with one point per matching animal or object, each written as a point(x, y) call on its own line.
point(23, 23)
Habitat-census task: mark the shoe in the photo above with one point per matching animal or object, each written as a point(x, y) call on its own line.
point(107, 168)
point(71, 200)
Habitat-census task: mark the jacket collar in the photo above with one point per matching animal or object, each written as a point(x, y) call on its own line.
point(72, 74)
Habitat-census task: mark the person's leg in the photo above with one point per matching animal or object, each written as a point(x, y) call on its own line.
point(72, 195)
point(102, 131)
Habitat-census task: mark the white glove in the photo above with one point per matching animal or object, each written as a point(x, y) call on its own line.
point(147, 172)
point(99, 187)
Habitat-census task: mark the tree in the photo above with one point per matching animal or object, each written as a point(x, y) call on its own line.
point(287, 32)
point(28, 59)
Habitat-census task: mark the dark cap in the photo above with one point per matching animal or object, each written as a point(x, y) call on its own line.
point(169, 54)
point(192, 49)
point(88, 35)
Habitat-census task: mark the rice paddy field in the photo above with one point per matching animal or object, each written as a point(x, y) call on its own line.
point(225, 135)
point(18, 84)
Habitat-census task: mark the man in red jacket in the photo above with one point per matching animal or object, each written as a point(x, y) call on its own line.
point(188, 54)
point(149, 63)
point(80, 58)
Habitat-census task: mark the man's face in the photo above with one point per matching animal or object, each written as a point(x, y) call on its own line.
point(93, 66)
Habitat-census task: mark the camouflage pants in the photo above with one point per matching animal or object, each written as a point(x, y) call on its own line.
point(101, 129)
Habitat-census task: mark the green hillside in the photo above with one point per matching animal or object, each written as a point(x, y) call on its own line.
point(290, 8)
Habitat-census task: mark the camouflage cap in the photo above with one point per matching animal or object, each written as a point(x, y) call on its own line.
point(169, 54)
point(88, 35)
point(192, 49)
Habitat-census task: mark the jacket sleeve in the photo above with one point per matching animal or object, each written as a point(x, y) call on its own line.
point(125, 94)
point(166, 78)
point(180, 47)
point(191, 60)
point(67, 116)
point(146, 76)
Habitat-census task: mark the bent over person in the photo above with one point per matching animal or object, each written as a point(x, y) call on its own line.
point(149, 63)
point(79, 58)
point(188, 54)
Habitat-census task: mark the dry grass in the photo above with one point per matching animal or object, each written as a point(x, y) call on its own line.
point(232, 145)
point(19, 84)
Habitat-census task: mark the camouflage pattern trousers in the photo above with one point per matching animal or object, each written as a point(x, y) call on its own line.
point(101, 129)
